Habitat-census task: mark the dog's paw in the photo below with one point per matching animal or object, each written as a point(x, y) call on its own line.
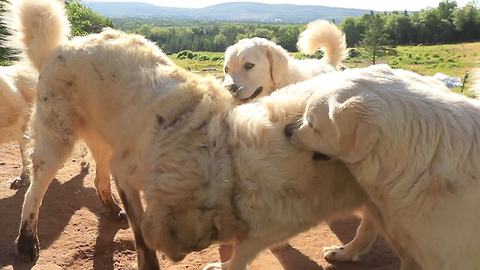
point(339, 254)
point(122, 219)
point(19, 183)
point(216, 266)
point(84, 166)
point(27, 247)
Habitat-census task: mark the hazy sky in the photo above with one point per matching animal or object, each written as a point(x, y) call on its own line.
point(362, 4)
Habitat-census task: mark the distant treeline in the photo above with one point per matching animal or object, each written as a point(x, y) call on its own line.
point(446, 23)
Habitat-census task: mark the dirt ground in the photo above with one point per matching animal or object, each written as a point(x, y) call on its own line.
point(76, 233)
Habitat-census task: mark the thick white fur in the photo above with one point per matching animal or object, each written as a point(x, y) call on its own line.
point(17, 95)
point(414, 149)
point(274, 189)
point(40, 30)
point(168, 132)
point(274, 68)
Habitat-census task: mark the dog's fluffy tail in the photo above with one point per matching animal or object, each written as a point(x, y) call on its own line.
point(37, 27)
point(325, 35)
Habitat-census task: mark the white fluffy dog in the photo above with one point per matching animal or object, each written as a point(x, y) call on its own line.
point(170, 132)
point(416, 152)
point(249, 172)
point(256, 67)
point(17, 96)
point(38, 27)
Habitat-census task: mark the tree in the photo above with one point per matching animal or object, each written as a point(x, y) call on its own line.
point(467, 22)
point(5, 53)
point(220, 42)
point(84, 20)
point(374, 39)
point(353, 29)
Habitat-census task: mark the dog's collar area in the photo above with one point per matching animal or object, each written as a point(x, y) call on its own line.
point(317, 156)
point(255, 94)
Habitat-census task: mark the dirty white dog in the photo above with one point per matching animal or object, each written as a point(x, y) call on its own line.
point(416, 152)
point(17, 96)
point(38, 27)
point(256, 67)
point(156, 126)
point(242, 167)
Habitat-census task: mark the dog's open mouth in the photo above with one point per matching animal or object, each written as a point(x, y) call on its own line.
point(255, 94)
point(320, 156)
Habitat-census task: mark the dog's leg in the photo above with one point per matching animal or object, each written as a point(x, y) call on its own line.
point(361, 243)
point(246, 250)
point(24, 179)
point(49, 154)
point(407, 262)
point(147, 258)
point(102, 185)
point(102, 157)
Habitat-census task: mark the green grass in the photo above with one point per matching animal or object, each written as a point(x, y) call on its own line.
point(212, 63)
point(453, 60)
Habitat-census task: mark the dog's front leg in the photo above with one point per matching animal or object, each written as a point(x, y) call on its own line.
point(246, 250)
point(361, 243)
point(147, 258)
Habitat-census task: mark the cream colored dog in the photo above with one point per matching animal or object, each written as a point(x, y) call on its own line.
point(17, 96)
point(415, 150)
point(38, 27)
point(256, 67)
point(248, 171)
point(165, 131)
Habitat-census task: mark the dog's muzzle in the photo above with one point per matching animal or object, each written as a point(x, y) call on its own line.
point(232, 88)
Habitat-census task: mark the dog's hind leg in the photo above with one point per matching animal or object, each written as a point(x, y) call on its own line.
point(54, 137)
point(50, 152)
point(24, 179)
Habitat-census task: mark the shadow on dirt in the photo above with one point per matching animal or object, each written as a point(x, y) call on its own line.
point(61, 201)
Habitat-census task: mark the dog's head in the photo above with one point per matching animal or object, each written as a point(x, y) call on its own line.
point(339, 123)
point(176, 230)
point(254, 67)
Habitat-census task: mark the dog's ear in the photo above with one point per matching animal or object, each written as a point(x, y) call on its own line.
point(278, 59)
point(356, 133)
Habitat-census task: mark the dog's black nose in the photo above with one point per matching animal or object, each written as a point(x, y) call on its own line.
point(288, 130)
point(320, 156)
point(233, 88)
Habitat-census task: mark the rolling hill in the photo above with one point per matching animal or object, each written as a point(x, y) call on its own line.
point(235, 11)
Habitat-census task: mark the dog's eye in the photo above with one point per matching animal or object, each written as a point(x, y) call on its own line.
point(249, 66)
point(226, 69)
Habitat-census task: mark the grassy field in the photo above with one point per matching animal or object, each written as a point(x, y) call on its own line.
point(453, 60)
